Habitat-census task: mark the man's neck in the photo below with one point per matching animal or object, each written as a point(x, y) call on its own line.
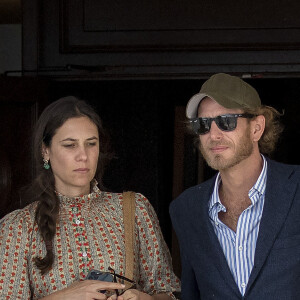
point(238, 180)
point(234, 189)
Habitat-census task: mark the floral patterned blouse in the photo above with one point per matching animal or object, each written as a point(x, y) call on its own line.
point(89, 235)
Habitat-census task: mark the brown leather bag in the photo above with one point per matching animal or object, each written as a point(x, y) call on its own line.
point(129, 224)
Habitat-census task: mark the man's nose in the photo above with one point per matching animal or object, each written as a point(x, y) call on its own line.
point(215, 132)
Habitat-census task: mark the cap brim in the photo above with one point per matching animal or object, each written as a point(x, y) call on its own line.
point(193, 104)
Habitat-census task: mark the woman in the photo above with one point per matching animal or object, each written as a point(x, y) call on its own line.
point(71, 227)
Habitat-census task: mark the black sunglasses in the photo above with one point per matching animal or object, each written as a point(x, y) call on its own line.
point(111, 276)
point(122, 279)
point(224, 122)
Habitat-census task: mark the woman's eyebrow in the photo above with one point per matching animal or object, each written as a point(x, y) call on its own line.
point(74, 140)
point(92, 138)
point(69, 139)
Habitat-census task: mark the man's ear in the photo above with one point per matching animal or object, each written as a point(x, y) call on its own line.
point(45, 152)
point(258, 126)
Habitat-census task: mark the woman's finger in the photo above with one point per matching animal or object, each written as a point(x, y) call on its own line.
point(112, 297)
point(104, 285)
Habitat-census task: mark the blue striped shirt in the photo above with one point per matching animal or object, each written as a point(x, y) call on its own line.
point(239, 247)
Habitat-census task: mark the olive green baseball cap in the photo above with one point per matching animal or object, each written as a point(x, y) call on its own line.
point(229, 91)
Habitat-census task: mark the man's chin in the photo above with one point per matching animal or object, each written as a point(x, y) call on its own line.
point(218, 166)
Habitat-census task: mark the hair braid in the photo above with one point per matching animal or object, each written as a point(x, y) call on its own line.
point(46, 218)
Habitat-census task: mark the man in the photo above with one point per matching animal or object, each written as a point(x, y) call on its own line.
point(239, 232)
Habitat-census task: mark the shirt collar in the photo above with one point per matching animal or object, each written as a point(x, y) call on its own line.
point(259, 186)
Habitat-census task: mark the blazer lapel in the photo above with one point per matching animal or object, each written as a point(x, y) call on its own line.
point(212, 245)
point(278, 199)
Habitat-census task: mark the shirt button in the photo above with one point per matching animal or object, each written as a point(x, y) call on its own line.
point(84, 254)
point(216, 223)
point(243, 284)
point(77, 222)
point(240, 248)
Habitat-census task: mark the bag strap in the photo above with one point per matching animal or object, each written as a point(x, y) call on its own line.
point(129, 222)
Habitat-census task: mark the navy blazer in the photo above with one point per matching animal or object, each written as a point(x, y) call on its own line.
point(276, 270)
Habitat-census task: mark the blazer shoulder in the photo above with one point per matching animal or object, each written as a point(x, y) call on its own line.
point(284, 170)
point(193, 194)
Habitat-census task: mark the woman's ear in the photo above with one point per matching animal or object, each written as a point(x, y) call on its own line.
point(258, 127)
point(45, 152)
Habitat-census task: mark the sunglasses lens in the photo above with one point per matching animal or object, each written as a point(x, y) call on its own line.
point(226, 123)
point(201, 125)
point(204, 125)
point(195, 126)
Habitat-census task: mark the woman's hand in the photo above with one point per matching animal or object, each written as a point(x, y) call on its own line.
point(132, 294)
point(137, 295)
point(87, 290)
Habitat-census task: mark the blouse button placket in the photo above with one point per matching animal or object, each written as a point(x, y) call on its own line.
point(81, 239)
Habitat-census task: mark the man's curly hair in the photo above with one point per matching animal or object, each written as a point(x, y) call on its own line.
point(273, 128)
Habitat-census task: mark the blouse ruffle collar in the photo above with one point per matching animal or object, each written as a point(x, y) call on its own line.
point(65, 200)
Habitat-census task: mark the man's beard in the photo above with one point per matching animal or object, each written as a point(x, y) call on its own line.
point(244, 149)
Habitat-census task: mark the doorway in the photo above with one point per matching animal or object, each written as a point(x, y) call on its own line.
point(154, 155)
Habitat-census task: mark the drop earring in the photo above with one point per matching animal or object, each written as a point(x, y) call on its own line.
point(46, 164)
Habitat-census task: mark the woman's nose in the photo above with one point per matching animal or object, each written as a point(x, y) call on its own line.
point(82, 153)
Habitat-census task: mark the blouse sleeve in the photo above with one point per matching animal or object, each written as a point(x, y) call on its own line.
point(15, 229)
point(155, 265)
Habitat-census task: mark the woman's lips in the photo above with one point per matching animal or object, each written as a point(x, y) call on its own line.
point(82, 170)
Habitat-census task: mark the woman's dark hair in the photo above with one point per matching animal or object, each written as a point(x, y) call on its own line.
point(42, 189)
point(5, 183)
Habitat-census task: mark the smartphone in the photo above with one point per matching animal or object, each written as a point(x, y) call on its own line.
point(101, 276)
point(98, 275)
